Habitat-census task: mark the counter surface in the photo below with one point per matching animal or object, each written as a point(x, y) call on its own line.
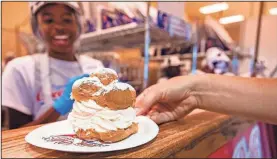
point(197, 135)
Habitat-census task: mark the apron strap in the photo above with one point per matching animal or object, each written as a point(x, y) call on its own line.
point(45, 78)
point(80, 61)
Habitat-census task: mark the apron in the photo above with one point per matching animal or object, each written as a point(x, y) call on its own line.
point(46, 83)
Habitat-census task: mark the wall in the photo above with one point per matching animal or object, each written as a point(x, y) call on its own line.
point(248, 9)
point(174, 8)
point(268, 41)
point(14, 14)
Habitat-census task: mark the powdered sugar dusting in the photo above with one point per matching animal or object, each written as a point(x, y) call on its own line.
point(105, 89)
point(115, 85)
point(123, 86)
point(99, 92)
point(118, 86)
point(104, 71)
point(94, 80)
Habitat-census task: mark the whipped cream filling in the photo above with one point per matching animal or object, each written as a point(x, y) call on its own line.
point(87, 115)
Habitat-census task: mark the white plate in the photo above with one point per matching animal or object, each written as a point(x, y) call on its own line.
point(60, 136)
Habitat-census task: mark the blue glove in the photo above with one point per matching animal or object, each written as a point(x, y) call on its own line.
point(64, 104)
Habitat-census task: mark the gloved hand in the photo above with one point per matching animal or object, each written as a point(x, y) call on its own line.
point(64, 104)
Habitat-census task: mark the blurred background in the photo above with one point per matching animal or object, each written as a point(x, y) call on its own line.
point(180, 36)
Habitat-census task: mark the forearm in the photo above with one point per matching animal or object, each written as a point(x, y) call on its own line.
point(253, 98)
point(50, 115)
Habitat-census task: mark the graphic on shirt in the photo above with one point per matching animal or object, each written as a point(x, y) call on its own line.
point(57, 91)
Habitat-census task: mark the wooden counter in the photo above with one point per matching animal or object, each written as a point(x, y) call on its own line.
point(197, 135)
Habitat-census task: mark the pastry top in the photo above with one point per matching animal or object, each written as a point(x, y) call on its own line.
point(119, 86)
point(105, 75)
point(103, 87)
point(104, 71)
point(85, 88)
point(89, 81)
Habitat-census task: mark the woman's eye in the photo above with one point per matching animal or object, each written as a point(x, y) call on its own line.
point(68, 21)
point(48, 21)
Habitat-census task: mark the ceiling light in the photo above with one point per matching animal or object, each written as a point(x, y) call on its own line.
point(231, 19)
point(214, 8)
point(273, 11)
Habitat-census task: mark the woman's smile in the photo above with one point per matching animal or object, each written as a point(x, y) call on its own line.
point(61, 40)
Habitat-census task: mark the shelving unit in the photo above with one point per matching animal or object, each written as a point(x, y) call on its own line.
point(126, 36)
point(181, 57)
point(186, 56)
point(132, 35)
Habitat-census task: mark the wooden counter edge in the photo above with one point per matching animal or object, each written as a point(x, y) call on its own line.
point(215, 136)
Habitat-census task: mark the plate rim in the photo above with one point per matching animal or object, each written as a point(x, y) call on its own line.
point(154, 129)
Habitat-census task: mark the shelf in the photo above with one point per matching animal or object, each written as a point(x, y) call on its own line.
point(187, 56)
point(126, 36)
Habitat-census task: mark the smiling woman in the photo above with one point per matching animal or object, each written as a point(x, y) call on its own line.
point(58, 31)
point(37, 87)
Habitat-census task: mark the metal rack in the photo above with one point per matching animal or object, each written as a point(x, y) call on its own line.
point(127, 36)
point(187, 56)
point(132, 35)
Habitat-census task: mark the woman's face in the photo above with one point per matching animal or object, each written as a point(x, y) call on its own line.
point(58, 27)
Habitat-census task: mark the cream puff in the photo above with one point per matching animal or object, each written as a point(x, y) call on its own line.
point(103, 108)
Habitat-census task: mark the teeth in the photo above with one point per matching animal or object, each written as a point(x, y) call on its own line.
point(61, 37)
